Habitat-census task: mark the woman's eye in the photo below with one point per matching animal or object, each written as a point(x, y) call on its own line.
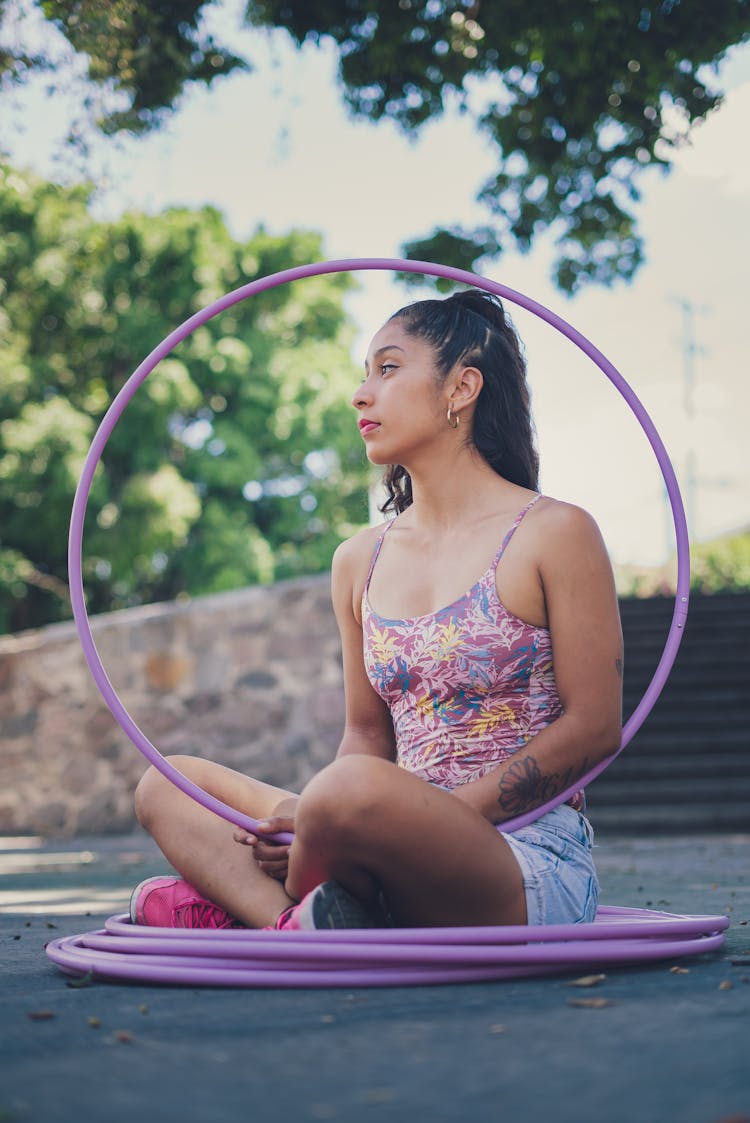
point(386, 368)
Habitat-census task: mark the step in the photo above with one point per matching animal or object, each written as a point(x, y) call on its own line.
point(717, 605)
point(663, 819)
point(697, 716)
point(713, 685)
point(674, 791)
point(694, 642)
point(718, 714)
point(652, 618)
point(678, 743)
point(713, 675)
point(631, 765)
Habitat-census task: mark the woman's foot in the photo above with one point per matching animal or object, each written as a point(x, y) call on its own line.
point(170, 902)
point(330, 905)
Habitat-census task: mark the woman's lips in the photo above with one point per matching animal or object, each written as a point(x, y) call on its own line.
point(366, 426)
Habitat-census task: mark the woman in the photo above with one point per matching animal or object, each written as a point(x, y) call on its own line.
point(482, 654)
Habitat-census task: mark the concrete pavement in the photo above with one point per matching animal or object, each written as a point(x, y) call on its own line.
point(669, 1046)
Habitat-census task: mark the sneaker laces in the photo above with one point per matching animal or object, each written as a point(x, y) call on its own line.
point(282, 921)
point(202, 914)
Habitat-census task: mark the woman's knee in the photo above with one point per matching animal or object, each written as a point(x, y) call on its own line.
point(154, 788)
point(343, 796)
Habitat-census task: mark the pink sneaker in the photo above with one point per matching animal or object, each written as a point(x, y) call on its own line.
point(329, 906)
point(169, 902)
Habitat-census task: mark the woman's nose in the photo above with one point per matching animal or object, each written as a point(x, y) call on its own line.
point(361, 396)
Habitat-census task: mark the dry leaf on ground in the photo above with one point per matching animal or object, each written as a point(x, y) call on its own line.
point(591, 1003)
point(587, 981)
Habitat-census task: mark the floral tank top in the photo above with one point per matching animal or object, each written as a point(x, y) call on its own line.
point(467, 685)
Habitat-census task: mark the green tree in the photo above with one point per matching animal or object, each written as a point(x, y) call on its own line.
point(141, 56)
point(722, 565)
point(576, 100)
point(236, 462)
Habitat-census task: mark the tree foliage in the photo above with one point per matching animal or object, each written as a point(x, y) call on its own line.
point(722, 565)
point(236, 462)
point(575, 100)
point(141, 55)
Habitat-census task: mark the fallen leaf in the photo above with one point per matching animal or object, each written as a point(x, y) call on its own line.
point(86, 980)
point(680, 970)
point(587, 981)
point(143, 1008)
point(93, 1022)
point(726, 985)
point(123, 1036)
point(497, 1028)
point(41, 1015)
point(322, 1111)
point(591, 1003)
point(378, 1095)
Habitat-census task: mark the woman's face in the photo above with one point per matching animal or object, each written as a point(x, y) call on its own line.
point(401, 404)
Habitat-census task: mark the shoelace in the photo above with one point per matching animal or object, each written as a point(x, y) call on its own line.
point(284, 917)
point(202, 914)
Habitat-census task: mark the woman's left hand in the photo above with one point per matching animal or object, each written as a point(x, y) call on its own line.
point(272, 857)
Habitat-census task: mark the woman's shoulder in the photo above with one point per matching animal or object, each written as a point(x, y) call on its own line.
point(352, 559)
point(557, 516)
point(565, 530)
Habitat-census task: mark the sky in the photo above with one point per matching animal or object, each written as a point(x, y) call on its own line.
point(277, 147)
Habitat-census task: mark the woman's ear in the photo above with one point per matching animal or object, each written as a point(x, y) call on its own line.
point(467, 385)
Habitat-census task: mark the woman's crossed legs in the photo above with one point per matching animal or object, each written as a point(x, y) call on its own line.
point(362, 822)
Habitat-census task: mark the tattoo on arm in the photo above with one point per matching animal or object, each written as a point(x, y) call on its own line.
point(524, 785)
point(618, 667)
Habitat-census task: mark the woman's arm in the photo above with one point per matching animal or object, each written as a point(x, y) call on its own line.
point(584, 621)
point(368, 727)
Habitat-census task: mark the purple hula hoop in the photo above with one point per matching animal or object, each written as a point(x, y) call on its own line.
point(395, 956)
point(117, 408)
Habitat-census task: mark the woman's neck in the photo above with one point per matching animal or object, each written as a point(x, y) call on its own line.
point(456, 490)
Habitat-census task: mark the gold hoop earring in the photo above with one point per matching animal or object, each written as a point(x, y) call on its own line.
point(453, 418)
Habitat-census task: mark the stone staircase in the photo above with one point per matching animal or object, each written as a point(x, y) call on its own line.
point(688, 767)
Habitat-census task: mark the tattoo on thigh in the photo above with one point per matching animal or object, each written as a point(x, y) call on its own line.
point(524, 785)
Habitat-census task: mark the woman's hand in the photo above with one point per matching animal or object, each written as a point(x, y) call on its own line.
point(271, 857)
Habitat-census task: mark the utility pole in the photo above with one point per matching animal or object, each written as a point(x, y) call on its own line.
point(689, 351)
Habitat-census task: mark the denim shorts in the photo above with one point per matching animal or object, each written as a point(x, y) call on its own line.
point(555, 856)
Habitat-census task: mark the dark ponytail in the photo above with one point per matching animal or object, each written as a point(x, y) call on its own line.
point(471, 328)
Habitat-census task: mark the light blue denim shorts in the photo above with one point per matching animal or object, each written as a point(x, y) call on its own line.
point(555, 856)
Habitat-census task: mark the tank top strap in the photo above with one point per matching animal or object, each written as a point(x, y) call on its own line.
point(513, 529)
point(375, 554)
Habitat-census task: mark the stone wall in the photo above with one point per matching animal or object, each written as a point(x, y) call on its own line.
point(251, 679)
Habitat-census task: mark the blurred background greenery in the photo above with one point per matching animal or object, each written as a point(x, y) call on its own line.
point(237, 461)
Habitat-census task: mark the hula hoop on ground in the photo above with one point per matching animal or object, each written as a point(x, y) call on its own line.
point(392, 956)
point(381, 957)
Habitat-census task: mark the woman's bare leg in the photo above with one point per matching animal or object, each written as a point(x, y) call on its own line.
point(370, 825)
point(200, 845)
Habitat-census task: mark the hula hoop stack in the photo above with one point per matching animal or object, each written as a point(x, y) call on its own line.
point(382, 957)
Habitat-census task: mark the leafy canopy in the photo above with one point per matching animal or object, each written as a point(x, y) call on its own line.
point(236, 462)
point(576, 100)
